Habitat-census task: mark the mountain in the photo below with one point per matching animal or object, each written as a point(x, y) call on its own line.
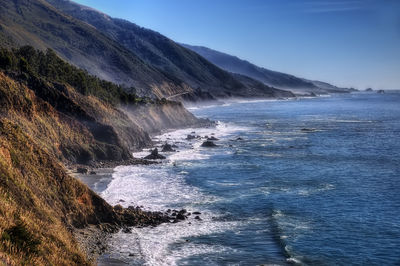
point(175, 61)
point(271, 78)
point(39, 24)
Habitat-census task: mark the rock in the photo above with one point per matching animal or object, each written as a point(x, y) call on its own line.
point(180, 216)
point(154, 155)
point(380, 91)
point(308, 130)
point(174, 146)
point(167, 148)
point(212, 138)
point(131, 255)
point(208, 144)
point(196, 213)
point(190, 137)
point(93, 173)
point(197, 218)
point(82, 170)
point(239, 138)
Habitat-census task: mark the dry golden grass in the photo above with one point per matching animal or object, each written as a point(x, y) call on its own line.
point(31, 200)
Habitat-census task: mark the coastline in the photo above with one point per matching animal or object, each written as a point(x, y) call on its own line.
point(95, 241)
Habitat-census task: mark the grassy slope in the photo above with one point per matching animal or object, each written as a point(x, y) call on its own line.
point(38, 201)
point(76, 136)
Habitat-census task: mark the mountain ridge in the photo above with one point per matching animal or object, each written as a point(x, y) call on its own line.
point(39, 24)
point(276, 79)
point(206, 80)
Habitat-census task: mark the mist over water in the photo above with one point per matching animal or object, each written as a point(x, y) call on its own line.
point(313, 181)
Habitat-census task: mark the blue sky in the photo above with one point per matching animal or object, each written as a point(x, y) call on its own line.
point(348, 43)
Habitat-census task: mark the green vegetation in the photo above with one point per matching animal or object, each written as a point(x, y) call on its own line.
point(29, 62)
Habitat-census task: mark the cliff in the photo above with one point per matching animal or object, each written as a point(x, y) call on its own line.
point(48, 118)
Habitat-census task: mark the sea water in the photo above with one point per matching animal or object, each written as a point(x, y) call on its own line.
point(308, 181)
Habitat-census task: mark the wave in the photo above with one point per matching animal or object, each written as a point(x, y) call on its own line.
point(164, 186)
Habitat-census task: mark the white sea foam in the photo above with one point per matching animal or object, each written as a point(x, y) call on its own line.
point(163, 186)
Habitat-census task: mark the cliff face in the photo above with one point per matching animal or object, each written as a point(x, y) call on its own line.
point(154, 118)
point(88, 130)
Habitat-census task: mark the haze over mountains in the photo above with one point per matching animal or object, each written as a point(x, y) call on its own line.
point(271, 78)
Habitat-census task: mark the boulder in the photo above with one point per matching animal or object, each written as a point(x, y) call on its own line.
point(167, 148)
point(208, 144)
point(190, 137)
point(82, 170)
point(154, 155)
point(212, 138)
point(180, 216)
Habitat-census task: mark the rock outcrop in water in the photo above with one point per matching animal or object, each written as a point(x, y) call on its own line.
point(209, 144)
point(167, 148)
point(154, 155)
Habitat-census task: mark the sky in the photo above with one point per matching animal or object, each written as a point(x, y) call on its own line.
point(353, 43)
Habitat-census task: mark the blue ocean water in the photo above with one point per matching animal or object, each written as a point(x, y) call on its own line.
point(309, 181)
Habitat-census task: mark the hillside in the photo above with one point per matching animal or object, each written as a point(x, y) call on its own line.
point(37, 23)
point(73, 101)
point(172, 59)
point(52, 113)
point(271, 78)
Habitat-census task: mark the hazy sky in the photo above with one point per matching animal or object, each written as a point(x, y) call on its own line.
point(348, 43)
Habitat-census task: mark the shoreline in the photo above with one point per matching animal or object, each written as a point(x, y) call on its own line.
point(93, 240)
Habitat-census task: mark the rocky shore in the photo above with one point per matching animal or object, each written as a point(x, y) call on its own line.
point(93, 239)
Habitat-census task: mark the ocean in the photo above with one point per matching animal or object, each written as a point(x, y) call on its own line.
point(312, 181)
